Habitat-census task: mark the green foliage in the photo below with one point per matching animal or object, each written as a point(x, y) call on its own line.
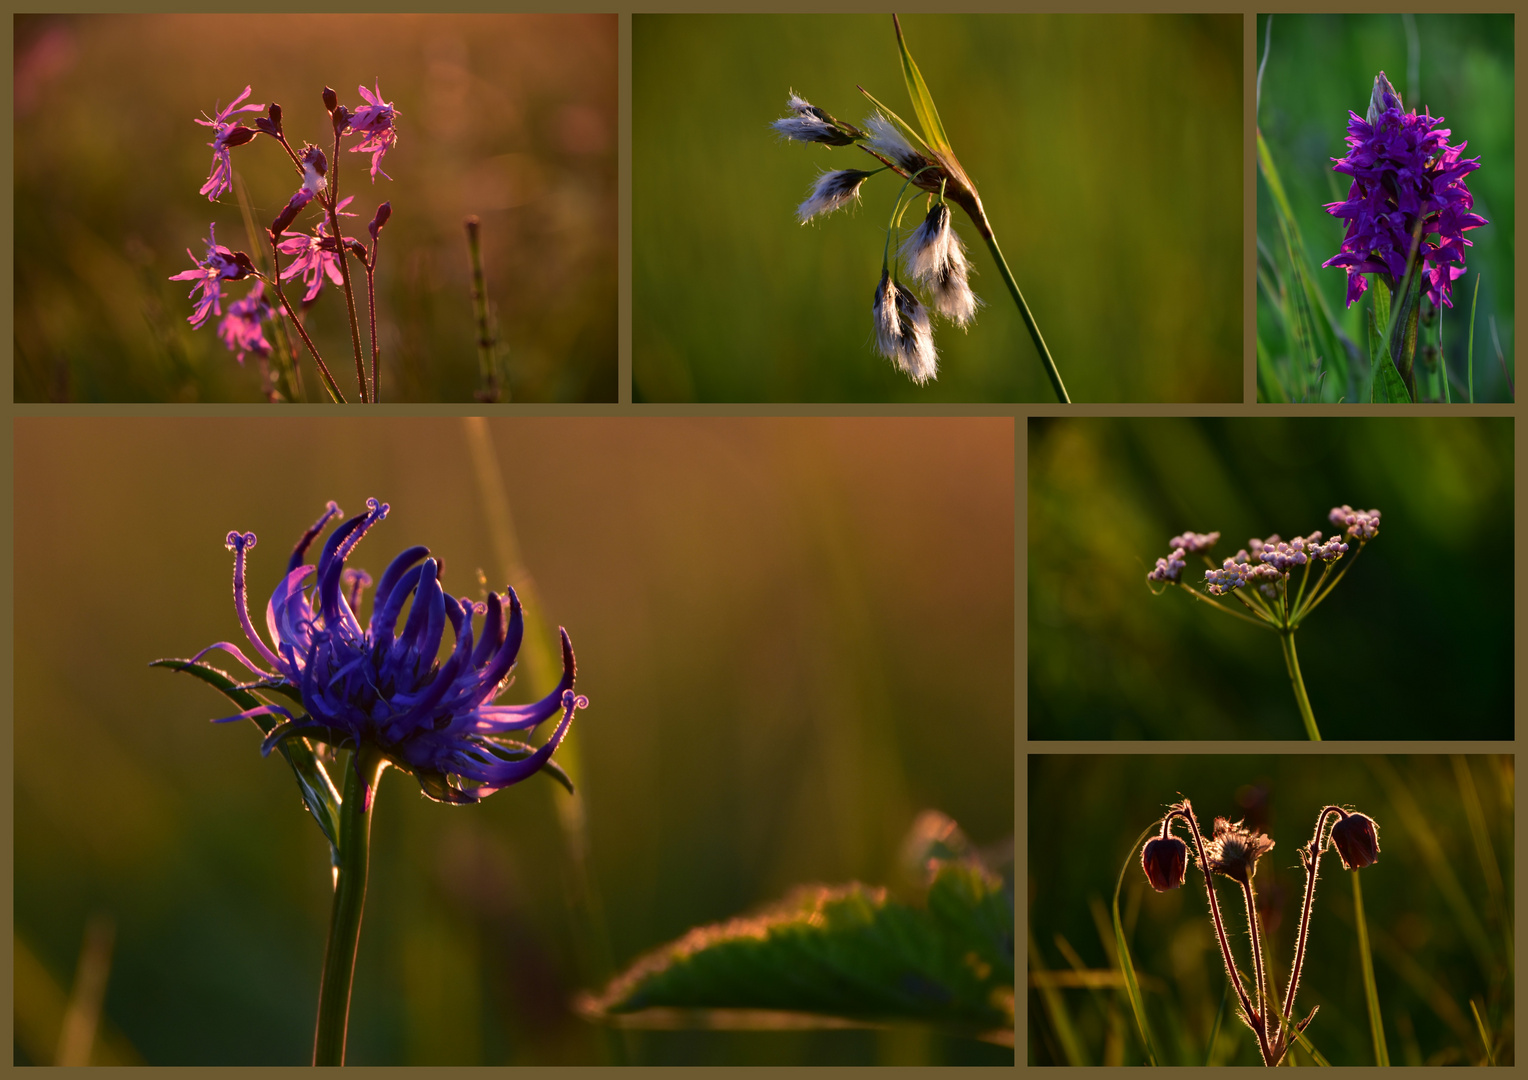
point(846, 951)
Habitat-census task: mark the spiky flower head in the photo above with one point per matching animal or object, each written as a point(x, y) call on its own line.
point(385, 687)
point(1234, 851)
point(1356, 839)
point(1407, 183)
point(833, 191)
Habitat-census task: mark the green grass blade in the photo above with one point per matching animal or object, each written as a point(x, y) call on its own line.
point(1469, 797)
point(1132, 988)
point(1220, 1015)
point(1055, 1010)
point(1366, 962)
point(1471, 352)
point(923, 102)
point(1485, 1037)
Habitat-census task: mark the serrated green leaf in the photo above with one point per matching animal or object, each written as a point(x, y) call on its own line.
point(923, 102)
point(847, 951)
point(318, 791)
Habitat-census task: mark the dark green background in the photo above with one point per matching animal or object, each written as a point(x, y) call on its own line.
point(795, 635)
point(1320, 67)
point(509, 117)
point(1414, 643)
point(1439, 919)
point(1107, 151)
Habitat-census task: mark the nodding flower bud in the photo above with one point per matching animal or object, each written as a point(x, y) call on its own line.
point(289, 212)
point(246, 267)
point(356, 248)
point(331, 99)
point(238, 136)
point(1164, 860)
point(384, 212)
point(1356, 839)
point(271, 123)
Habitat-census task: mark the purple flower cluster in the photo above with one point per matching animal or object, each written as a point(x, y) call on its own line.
point(384, 686)
point(1362, 525)
point(318, 253)
point(1190, 543)
point(1406, 178)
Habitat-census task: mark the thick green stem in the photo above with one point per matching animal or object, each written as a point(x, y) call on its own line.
point(1292, 662)
point(361, 776)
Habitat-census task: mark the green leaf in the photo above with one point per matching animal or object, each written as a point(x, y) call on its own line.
point(1132, 987)
point(923, 102)
point(846, 951)
point(1388, 386)
point(318, 791)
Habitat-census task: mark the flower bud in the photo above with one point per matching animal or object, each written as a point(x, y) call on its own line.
point(331, 99)
point(1164, 860)
point(239, 136)
point(1382, 99)
point(1356, 839)
point(341, 118)
point(384, 212)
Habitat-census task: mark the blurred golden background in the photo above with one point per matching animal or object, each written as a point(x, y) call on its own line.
point(795, 635)
point(509, 117)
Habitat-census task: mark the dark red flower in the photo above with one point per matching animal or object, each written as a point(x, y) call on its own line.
point(1164, 860)
point(1356, 839)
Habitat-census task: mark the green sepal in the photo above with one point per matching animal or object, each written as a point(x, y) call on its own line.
point(923, 101)
point(319, 794)
point(847, 951)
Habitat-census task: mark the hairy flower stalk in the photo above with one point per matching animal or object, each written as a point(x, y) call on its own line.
point(1408, 187)
point(1233, 852)
point(381, 691)
point(934, 256)
point(1258, 579)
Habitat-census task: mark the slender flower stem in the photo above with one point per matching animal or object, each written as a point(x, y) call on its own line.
point(371, 312)
point(1029, 320)
point(361, 777)
point(1265, 991)
point(1186, 813)
point(339, 240)
point(1292, 662)
point(1310, 856)
point(1221, 607)
point(329, 384)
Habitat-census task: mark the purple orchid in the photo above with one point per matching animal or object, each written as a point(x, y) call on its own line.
point(376, 686)
point(219, 266)
point(317, 254)
point(374, 122)
point(1405, 178)
point(226, 135)
point(242, 328)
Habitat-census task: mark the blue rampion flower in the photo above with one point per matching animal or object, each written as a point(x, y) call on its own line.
point(375, 684)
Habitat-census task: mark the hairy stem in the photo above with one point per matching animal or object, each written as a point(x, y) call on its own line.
point(361, 777)
point(371, 312)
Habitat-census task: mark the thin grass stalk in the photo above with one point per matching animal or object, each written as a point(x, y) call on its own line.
point(1220, 1016)
point(1485, 1036)
point(1366, 964)
point(1055, 1009)
point(487, 368)
point(1470, 354)
point(286, 361)
point(1127, 967)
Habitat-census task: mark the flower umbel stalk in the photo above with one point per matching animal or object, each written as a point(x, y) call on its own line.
point(1259, 580)
point(361, 779)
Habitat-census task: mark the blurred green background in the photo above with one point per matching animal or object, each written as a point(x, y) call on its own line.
point(1415, 643)
point(1321, 66)
point(770, 617)
point(1438, 904)
point(1108, 154)
point(510, 117)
